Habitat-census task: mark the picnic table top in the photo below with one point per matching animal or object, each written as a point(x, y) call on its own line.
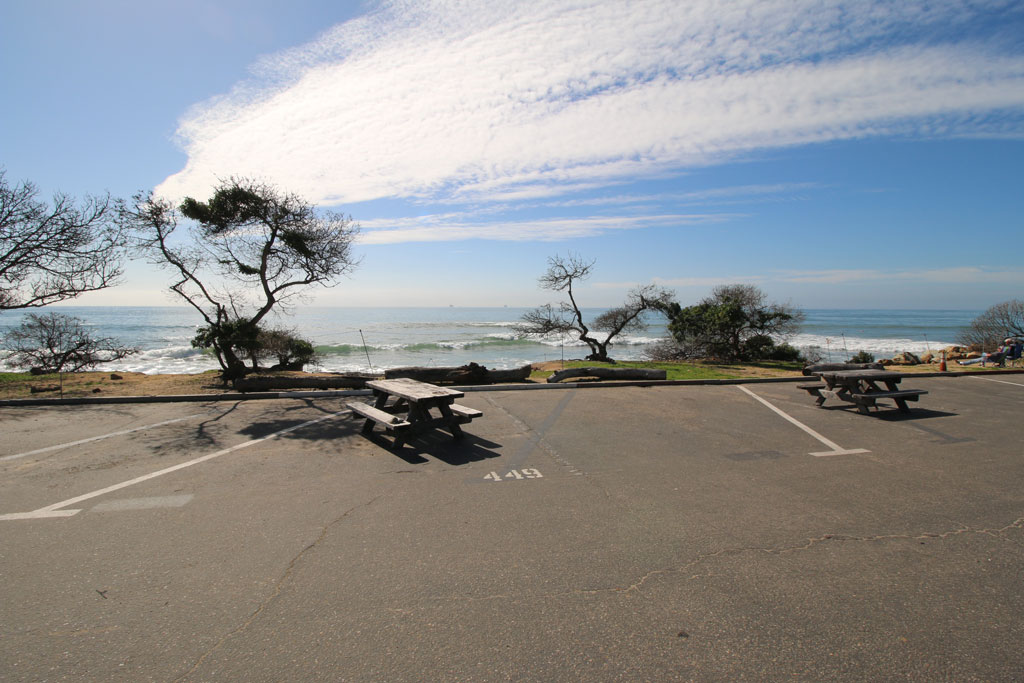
point(860, 374)
point(413, 390)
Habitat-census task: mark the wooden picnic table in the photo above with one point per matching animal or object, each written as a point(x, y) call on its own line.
point(409, 414)
point(862, 388)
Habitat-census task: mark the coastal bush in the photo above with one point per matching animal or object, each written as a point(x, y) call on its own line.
point(56, 343)
point(735, 323)
point(784, 352)
point(664, 350)
point(862, 357)
point(567, 318)
point(289, 350)
point(246, 340)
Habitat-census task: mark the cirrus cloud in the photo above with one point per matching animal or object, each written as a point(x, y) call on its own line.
point(443, 100)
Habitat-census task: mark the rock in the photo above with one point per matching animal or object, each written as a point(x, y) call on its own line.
point(114, 375)
point(928, 357)
point(954, 352)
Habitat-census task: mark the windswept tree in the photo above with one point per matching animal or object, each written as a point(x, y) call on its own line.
point(562, 275)
point(247, 250)
point(997, 323)
point(54, 252)
point(737, 322)
point(60, 343)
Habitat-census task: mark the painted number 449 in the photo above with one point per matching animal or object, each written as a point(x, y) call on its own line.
point(527, 473)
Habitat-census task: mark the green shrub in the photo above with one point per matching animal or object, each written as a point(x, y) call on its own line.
point(862, 357)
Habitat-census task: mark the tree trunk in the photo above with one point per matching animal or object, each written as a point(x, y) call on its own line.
point(826, 367)
point(271, 383)
point(608, 373)
point(467, 374)
point(233, 367)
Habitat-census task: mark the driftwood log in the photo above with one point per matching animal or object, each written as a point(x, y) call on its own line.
point(831, 367)
point(287, 382)
point(608, 373)
point(467, 374)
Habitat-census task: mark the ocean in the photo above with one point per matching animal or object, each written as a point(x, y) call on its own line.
point(365, 339)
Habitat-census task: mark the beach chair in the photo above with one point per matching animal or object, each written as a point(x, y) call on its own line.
point(1013, 357)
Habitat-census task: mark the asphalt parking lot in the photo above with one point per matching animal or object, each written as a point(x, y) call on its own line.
point(665, 533)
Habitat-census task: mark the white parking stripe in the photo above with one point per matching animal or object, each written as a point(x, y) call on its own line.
point(99, 438)
point(53, 511)
point(836, 448)
point(1001, 381)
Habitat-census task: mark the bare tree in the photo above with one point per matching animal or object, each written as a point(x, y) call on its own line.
point(997, 323)
point(50, 253)
point(567, 319)
point(60, 343)
point(251, 248)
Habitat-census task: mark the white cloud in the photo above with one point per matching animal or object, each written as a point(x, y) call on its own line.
point(453, 101)
point(450, 228)
point(718, 196)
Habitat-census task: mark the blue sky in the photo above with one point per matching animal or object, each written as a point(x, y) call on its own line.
point(836, 154)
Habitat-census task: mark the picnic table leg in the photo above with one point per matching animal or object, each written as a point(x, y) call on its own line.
point(900, 402)
point(381, 399)
point(452, 421)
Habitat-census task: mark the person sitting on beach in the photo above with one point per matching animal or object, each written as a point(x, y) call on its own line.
point(997, 356)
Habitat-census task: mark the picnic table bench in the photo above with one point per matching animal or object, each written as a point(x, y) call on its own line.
point(862, 388)
point(410, 414)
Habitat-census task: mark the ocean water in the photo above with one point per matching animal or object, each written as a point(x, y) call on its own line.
point(363, 339)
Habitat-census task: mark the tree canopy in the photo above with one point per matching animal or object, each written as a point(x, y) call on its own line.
point(54, 252)
point(251, 248)
point(567, 318)
point(736, 322)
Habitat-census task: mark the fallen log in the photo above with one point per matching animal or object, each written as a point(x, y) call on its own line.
point(832, 367)
point(285, 383)
point(466, 374)
point(608, 373)
point(514, 375)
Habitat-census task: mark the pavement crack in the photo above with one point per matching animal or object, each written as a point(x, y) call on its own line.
point(637, 585)
point(997, 533)
point(278, 588)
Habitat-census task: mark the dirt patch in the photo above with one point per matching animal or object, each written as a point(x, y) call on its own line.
point(103, 384)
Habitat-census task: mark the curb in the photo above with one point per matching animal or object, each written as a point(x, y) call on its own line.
point(272, 395)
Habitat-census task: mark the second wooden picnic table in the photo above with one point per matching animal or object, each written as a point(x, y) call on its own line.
point(417, 399)
point(862, 388)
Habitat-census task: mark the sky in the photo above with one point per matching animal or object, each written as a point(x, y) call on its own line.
point(835, 154)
